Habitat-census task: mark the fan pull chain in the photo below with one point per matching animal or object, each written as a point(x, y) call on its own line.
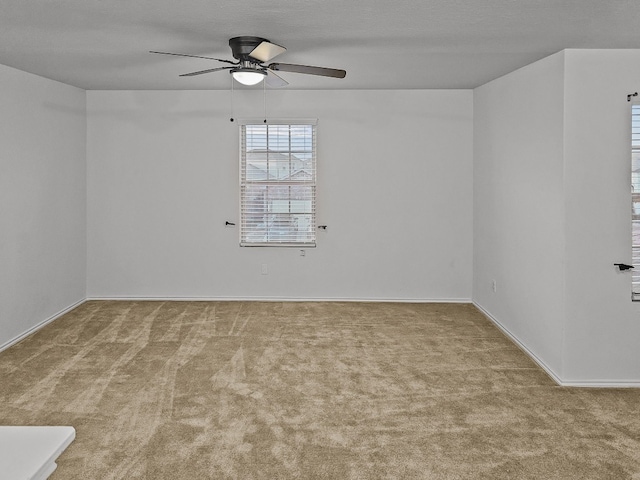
point(264, 95)
point(232, 111)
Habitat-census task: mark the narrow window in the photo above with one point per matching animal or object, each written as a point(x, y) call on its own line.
point(277, 184)
point(635, 198)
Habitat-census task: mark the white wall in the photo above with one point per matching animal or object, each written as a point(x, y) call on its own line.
point(602, 339)
point(395, 183)
point(518, 206)
point(552, 213)
point(42, 200)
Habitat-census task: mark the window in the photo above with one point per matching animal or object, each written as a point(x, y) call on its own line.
point(278, 184)
point(635, 198)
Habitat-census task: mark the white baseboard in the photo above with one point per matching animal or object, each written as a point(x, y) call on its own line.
point(37, 327)
point(549, 371)
point(601, 383)
point(282, 299)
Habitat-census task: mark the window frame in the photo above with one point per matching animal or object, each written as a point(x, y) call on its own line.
point(244, 183)
point(634, 117)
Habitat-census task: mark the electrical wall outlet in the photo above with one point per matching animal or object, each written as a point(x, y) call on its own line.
point(265, 269)
point(494, 286)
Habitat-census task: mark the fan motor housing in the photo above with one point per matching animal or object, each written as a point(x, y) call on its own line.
point(241, 47)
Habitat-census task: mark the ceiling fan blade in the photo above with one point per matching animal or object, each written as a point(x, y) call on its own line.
point(308, 69)
point(196, 56)
point(266, 51)
point(205, 71)
point(275, 80)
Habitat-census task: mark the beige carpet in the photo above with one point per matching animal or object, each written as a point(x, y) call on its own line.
point(237, 390)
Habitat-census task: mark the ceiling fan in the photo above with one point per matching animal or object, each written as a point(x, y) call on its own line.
point(251, 54)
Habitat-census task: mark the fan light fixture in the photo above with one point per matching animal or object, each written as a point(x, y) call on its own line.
point(248, 76)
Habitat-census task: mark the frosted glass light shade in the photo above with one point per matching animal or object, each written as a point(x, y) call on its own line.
point(248, 76)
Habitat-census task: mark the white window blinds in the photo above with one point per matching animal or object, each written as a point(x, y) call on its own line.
point(277, 184)
point(635, 198)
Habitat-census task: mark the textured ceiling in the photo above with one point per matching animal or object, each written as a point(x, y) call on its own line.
point(401, 44)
